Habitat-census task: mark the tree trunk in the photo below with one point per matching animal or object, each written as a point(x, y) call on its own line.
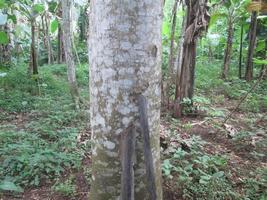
point(252, 44)
point(48, 40)
point(197, 21)
point(263, 71)
point(170, 74)
point(5, 49)
point(179, 58)
point(228, 50)
point(241, 52)
point(67, 41)
point(34, 64)
point(125, 61)
point(60, 48)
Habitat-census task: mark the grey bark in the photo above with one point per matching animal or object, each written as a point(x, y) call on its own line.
point(228, 49)
point(197, 21)
point(179, 58)
point(170, 74)
point(125, 61)
point(48, 40)
point(68, 49)
point(252, 44)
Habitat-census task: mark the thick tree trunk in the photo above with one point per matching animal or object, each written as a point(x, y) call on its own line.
point(67, 41)
point(241, 52)
point(252, 44)
point(197, 21)
point(125, 61)
point(34, 64)
point(228, 50)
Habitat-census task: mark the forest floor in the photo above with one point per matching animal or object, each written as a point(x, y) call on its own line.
point(44, 142)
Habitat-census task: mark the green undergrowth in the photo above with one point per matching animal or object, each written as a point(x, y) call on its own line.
point(199, 175)
point(209, 83)
point(39, 126)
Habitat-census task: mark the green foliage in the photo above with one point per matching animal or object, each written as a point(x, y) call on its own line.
point(3, 38)
point(200, 175)
point(256, 186)
point(66, 188)
point(38, 8)
point(54, 25)
point(39, 149)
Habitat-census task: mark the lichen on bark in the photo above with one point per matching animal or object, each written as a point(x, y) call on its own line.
point(124, 54)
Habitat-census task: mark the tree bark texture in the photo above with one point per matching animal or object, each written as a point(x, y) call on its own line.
point(60, 48)
point(67, 41)
point(196, 22)
point(125, 60)
point(34, 64)
point(241, 52)
point(5, 49)
point(170, 74)
point(251, 48)
point(228, 49)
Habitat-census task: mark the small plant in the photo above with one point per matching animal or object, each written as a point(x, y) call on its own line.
point(199, 175)
point(256, 186)
point(66, 188)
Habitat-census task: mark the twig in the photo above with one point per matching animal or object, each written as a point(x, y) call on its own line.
point(245, 96)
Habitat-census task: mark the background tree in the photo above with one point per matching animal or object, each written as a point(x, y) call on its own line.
point(68, 49)
point(196, 22)
point(252, 44)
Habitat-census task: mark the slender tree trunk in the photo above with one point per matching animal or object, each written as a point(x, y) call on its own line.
point(197, 21)
point(179, 58)
point(60, 48)
point(228, 50)
point(34, 64)
point(5, 49)
point(48, 40)
point(241, 52)
point(263, 71)
point(60, 52)
point(125, 61)
point(170, 74)
point(252, 44)
point(67, 41)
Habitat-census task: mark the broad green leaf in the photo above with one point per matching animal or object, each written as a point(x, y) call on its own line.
point(3, 19)
point(166, 29)
point(54, 25)
point(10, 186)
point(218, 174)
point(39, 8)
point(2, 4)
point(3, 38)
point(260, 62)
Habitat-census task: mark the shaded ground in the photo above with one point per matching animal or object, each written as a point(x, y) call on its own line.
point(241, 161)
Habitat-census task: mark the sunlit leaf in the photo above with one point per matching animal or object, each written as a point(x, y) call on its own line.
point(260, 62)
point(3, 38)
point(10, 186)
point(39, 8)
point(54, 25)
